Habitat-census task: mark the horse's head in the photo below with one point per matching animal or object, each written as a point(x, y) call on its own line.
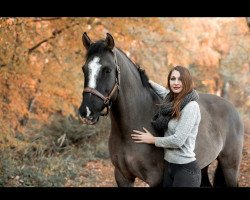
point(101, 78)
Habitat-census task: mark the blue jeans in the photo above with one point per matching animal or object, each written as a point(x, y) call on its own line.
point(182, 175)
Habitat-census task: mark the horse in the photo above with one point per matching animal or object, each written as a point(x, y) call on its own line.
point(115, 85)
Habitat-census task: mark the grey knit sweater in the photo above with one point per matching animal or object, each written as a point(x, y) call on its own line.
point(179, 139)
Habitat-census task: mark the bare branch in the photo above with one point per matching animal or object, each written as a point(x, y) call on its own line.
point(37, 45)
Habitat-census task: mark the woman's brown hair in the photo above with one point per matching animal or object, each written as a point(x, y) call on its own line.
point(187, 84)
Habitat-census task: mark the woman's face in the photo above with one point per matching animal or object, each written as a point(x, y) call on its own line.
point(175, 82)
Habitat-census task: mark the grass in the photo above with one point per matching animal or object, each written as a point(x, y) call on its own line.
point(53, 154)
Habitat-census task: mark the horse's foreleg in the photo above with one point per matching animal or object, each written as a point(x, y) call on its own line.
point(123, 181)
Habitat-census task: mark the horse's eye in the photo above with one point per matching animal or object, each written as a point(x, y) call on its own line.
point(107, 70)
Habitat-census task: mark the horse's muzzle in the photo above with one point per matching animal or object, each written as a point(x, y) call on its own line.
point(90, 121)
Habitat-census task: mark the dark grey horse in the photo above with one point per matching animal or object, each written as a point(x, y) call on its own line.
point(114, 83)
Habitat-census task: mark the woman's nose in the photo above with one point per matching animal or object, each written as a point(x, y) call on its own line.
point(176, 81)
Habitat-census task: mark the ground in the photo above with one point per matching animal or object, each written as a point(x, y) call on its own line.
point(99, 173)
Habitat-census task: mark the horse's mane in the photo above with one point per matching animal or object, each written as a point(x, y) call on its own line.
point(145, 82)
point(144, 78)
point(142, 73)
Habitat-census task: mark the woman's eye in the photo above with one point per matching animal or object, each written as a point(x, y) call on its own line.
point(172, 79)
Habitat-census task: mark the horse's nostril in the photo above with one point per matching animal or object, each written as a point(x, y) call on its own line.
point(82, 117)
point(90, 117)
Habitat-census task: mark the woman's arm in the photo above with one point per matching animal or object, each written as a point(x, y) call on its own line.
point(159, 89)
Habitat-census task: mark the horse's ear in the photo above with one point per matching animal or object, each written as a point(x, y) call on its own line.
point(110, 41)
point(86, 40)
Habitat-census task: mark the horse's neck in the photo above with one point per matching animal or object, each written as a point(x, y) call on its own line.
point(129, 110)
point(134, 102)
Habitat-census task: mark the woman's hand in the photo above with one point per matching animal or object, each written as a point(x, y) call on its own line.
point(143, 137)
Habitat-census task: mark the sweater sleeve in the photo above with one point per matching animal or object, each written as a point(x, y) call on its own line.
point(159, 89)
point(183, 129)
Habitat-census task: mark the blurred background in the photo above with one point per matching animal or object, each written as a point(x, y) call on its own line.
point(42, 142)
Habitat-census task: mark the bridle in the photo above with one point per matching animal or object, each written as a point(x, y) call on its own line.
point(107, 99)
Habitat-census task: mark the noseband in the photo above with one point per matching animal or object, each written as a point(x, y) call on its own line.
point(107, 99)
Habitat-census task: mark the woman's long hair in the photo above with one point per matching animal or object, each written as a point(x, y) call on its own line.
point(187, 87)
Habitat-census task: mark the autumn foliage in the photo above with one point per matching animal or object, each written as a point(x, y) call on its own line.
point(41, 85)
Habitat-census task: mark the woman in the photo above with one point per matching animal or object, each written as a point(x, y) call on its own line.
point(178, 120)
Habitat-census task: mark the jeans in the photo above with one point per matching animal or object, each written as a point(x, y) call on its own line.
point(182, 175)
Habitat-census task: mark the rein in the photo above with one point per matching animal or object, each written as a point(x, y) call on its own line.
point(107, 99)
